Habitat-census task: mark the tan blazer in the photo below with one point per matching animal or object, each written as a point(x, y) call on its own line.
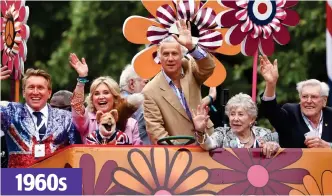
point(163, 113)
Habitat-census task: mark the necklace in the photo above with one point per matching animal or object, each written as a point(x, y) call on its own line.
point(246, 142)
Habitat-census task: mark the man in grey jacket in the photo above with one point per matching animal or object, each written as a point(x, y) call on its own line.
point(131, 83)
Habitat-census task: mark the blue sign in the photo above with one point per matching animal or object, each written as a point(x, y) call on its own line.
point(41, 181)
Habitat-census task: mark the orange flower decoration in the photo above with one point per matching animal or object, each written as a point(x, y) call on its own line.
point(141, 30)
point(160, 174)
point(312, 186)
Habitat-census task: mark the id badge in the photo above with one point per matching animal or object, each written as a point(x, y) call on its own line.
point(39, 150)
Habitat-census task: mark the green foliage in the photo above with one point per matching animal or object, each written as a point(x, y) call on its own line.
point(93, 29)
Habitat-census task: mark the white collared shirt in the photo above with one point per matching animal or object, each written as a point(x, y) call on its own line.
point(44, 111)
point(319, 130)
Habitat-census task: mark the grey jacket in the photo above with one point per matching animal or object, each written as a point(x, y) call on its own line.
point(225, 138)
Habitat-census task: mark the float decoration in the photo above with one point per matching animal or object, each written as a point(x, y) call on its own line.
point(256, 25)
point(150, 31)
point(14, 35)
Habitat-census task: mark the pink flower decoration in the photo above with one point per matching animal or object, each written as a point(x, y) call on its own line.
point(257, 24)
point(14, 34)
point(255, 175)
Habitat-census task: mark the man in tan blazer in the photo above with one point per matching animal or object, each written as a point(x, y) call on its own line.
point(176, 89)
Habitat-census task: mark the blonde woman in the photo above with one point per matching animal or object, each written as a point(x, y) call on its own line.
point(104, 96)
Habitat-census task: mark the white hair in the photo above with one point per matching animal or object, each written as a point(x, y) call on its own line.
point(324, 88)
point(243, 101)
point(171, 39)
point(127, 74)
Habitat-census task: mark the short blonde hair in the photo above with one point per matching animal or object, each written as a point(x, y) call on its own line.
point(37, 72)
point(110, 83)
point(244, 101)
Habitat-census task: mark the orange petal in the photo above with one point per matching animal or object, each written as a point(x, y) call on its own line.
point(214, 5)
point(311, 185)
point(218, 76)
point(144, 64)
point(226, 48)
point(161, 161)
point(128, 180)
point(295, 192)
point(182, 161)
point(326, 182)
point(141, 164)
point(136, 27)
point(152, 6)
point(197, 178)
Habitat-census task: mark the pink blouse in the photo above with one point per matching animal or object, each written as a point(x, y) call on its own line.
point(87, 124)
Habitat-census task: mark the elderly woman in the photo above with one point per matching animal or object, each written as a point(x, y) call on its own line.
point(103, 98)
point(242, 133)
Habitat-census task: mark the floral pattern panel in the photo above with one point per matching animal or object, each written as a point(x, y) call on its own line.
point(192, 171)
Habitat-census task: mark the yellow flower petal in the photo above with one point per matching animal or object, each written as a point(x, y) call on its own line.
point(226, 48)
point(135, 29)
point(126, 179)
point(192, 181)
point(326, 183)
point(141, 164)
point(182, 161)
point(218, 76)
point(311, 185)
point(160, 163)
point(144, 64)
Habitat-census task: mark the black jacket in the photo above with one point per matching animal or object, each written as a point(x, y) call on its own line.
point(289, 123)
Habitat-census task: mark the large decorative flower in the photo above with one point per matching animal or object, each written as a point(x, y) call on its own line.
point(14, 34)
point(104, 180)
point(312, 187)
point(257, 23)
point(160, 175)
point(141, 30)
point(254, 175)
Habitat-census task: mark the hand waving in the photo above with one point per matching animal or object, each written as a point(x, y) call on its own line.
point(184, 38)
point(269, 71)
point(80, 67)
point(200, 118)
point(5, 73)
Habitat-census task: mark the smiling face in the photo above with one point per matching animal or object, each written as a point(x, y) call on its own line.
point(36, 92)
point(102, 98)
point(171, 58)
point(239, 120)
point(311, 101)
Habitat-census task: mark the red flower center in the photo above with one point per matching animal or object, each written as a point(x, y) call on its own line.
point(258, 176)
point(262, 8)
point(162, 192)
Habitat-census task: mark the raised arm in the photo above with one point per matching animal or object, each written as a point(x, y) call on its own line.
point(5, 73)
point(200, 119)
point(204, 65)
point(270, 74)
point(277, 116)
point(80, 116)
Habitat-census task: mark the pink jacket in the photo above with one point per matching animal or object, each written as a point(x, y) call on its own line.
point(87, 124)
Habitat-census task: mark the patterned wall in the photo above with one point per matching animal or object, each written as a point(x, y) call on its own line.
point(191, 171)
